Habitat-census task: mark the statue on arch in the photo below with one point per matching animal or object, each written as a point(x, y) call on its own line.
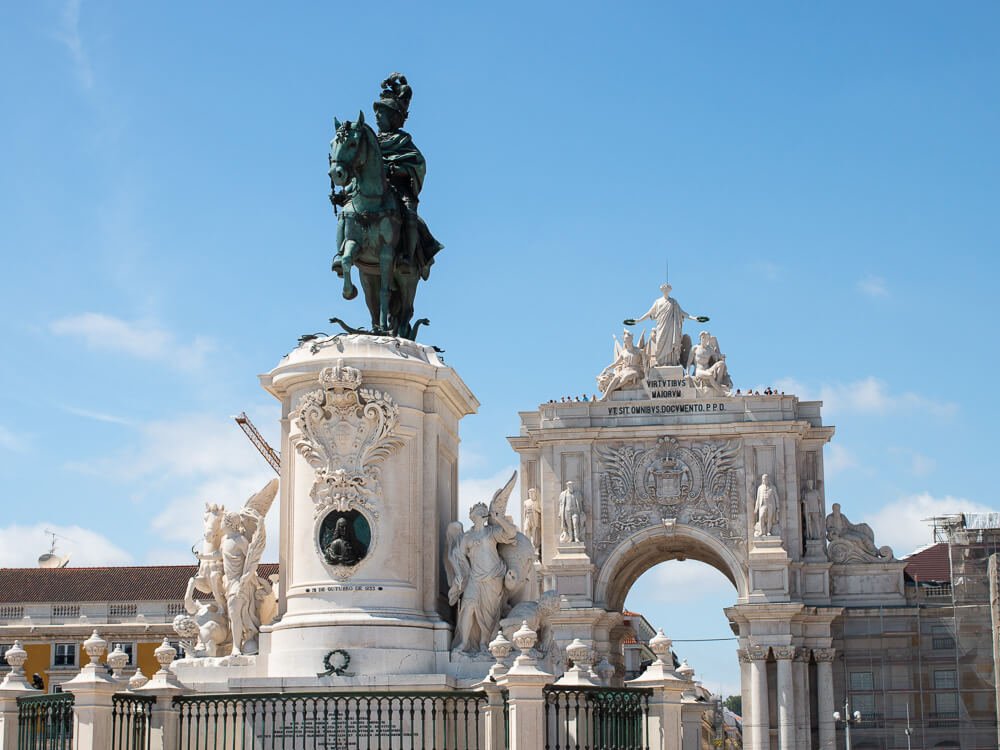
point(486, 566)
point(628, 368)
point(812, 507)
point(572, 516)
point(711, 374)
point(531, 520)
point(668, 317)
point(765, 507)
point(852, 542)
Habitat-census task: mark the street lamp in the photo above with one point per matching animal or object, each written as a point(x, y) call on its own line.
point(848, 718)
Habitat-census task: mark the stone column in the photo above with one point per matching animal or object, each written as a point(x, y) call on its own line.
point(92, 691)
point(786, 699)
point(824, 696)
point(164, 723)
point(665, 722)
point(745, 687)
point(525, 683)
point(14, 686)
point(760, 725)
point(691, 710)
point(803, 723)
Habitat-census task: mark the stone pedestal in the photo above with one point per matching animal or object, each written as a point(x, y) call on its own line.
point(370, 436)
point(665, 721)
point(10, 691)
point(768, 570)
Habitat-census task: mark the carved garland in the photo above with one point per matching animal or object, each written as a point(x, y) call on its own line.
point(346, 432)
point(697, 485)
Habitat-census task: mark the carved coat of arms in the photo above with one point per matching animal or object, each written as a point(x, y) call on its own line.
point(346, 432)
point(695, 484)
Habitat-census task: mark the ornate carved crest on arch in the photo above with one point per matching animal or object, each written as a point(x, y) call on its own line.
point(696, 484)
point(346, 432)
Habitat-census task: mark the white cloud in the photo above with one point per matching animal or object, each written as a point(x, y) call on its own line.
point(69, 34)
point(922, 465)
point(838, 460)
point(97, 416)
point(873, 286)
point(181, 464)
point(868, 395)
point(20, 546)
point(901, 524)
point(140, 339)
point(678, 581)
point(765, 269)
point(10, 441)
point(480, 490)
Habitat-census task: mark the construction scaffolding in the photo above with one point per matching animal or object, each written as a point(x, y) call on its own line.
point(924, 675)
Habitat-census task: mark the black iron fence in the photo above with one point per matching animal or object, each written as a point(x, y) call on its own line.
point(333, 721)
point(596, 718)
point(45, 722)
point(130, 721)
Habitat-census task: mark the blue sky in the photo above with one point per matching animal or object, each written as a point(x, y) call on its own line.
point(822, 180)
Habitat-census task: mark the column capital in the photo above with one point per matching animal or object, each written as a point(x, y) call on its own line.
point(802, 654)
point(758, 653)
point(824, 654)
point(743, 655)
point(784, 653)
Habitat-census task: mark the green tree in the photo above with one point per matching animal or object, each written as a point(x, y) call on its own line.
point(734, 703)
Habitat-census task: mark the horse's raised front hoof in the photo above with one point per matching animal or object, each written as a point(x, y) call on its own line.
point(351, 293)
point(337, 266)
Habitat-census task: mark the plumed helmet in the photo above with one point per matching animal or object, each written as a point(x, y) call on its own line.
point(395, 95)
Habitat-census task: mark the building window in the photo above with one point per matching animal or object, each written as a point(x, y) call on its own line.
point(945, 679)
point(3, 654)
point(128, 648)
point(941, 638)
point(862, 681)
point(180, 649)
point(64, 655)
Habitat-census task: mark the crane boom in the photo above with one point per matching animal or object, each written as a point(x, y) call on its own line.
point(270, 454)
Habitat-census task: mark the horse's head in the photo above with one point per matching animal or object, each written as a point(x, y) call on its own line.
point(213, 522)
point(350, 149)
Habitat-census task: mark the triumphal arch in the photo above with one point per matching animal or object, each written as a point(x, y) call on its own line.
point(672, 463)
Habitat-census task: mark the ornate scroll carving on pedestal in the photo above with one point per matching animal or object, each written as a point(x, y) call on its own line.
point(696, 484)
point(346, 432)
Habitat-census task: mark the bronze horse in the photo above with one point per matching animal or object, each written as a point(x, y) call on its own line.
point(369, 230)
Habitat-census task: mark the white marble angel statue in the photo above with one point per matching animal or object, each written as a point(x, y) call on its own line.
point(486, 566)
point(249, 599)
point(628, 368)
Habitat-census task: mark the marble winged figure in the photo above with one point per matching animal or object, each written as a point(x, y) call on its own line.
point(241, 601)
point(487, 566)
point(629, 367)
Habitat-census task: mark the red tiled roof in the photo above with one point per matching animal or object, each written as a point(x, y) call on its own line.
point(930, 565)
point(117, 584)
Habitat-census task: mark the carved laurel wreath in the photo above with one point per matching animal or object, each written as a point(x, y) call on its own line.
point(336, 669)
